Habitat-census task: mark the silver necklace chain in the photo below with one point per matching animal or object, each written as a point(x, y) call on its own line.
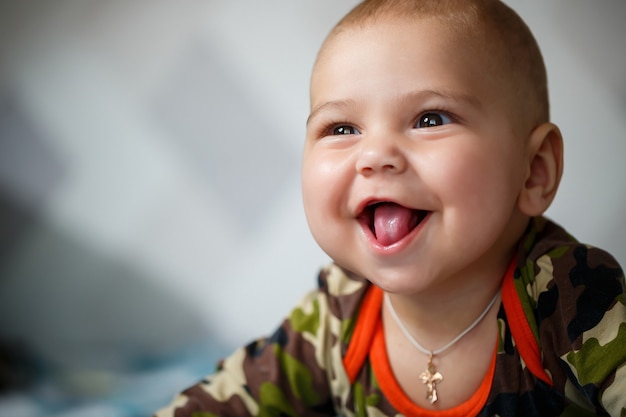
point(449, 344)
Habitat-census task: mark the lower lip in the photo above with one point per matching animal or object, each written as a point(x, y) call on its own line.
point(396, 247)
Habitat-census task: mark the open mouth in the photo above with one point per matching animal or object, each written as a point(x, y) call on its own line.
point(390, 222)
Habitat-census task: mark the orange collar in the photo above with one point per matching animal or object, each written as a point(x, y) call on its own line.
point(368, 340)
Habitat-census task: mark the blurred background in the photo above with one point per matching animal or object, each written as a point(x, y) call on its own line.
point(150, 214)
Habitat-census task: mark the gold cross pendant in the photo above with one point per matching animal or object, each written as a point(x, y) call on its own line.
point(430, 377)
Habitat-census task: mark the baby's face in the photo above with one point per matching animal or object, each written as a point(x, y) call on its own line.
point(411, 168)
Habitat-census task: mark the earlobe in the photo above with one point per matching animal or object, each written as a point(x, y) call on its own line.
point(544, 169)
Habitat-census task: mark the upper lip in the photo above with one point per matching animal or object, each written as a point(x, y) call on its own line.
point(370, 202)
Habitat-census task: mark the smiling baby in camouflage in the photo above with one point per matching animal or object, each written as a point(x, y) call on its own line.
point(429, 161)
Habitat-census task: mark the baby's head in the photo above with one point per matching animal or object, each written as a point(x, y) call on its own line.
point(502, 44)
point(428, 144)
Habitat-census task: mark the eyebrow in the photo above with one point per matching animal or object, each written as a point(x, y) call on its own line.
point(411, 96)
point(444, 94)
point(337, 104)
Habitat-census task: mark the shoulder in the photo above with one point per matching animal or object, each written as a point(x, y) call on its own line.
point(323, 321)
point(333, 307)
point(578, 298)
point(553, 261)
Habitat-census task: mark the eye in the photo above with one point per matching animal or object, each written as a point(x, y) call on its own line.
point(432, 119)
point(344, 130)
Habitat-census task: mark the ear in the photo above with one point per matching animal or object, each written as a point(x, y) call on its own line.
point(544, 170)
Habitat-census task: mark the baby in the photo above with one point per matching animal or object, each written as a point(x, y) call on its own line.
point(429, 161)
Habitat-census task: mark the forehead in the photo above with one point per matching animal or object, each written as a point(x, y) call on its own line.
point(406, 54)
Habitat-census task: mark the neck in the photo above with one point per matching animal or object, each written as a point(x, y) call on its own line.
point(436, 318)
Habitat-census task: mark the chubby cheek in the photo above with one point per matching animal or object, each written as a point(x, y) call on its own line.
point(322, 191)
point(476, 183)
point(313, 200)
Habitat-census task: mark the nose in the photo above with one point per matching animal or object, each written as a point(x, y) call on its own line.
point(380, 154)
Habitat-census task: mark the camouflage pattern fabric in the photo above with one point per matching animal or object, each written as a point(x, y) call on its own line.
point(573, 302)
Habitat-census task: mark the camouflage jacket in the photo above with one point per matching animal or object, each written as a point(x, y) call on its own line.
point(561, 349)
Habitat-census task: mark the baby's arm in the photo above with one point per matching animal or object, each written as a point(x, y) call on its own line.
point(285, 374)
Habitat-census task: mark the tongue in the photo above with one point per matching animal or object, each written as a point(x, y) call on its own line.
point(392, 222)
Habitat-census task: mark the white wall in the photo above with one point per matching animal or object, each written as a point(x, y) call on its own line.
point(149, 163)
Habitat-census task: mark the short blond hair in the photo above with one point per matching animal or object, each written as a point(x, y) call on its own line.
point(497, 25)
